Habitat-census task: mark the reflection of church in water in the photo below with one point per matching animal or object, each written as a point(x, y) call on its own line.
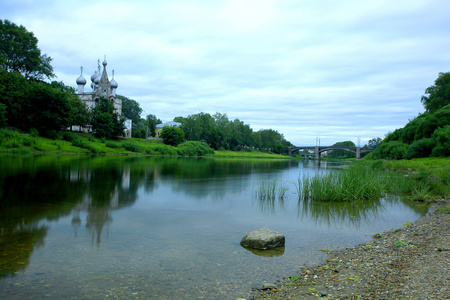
point(101, 87)
point(98, 210)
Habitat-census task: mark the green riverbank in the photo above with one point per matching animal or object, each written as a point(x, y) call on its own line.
point(81, 143)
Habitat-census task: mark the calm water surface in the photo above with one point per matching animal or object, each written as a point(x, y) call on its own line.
point(76, 227)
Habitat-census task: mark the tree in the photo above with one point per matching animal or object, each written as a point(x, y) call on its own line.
point(172, 135)
point(45, 109)
point(19, 52)
point(152, 121)
point(342, 154)
point(374, 143)
point(439, 93)
point(131, 110)
point(3, 118)
point(105, 122)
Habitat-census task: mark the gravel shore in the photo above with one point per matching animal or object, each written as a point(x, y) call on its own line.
point(412, 262)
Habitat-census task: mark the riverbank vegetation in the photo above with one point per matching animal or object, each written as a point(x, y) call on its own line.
point(14, 141)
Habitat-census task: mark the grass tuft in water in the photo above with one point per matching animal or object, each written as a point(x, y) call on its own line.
point(358, 182)
point(271, 190)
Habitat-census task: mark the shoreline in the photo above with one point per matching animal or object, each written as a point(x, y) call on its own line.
point(407, 263)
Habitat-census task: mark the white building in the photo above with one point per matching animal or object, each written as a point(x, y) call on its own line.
point(101, 87)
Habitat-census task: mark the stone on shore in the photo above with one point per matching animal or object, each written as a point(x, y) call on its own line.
point(263, 239)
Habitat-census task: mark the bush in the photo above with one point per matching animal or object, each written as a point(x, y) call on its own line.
point(131, 147)
point(34, 132)
point(442, 137)
point(111, 144)
point(420, 148)
point(390, 150)
point(52, 134)
point(193, 148)
point(161, 149)
point(68, 136)
point(172, 135)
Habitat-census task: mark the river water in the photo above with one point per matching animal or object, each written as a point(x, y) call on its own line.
point(80, 227)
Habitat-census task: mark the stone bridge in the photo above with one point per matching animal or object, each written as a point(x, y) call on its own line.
point(318, 150)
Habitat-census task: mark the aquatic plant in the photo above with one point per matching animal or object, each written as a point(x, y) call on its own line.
point(358, 182)
point(271, 190)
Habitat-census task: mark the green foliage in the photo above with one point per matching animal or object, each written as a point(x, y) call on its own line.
point(152, 121)
point(193, 148)
point(342, 154)
point(111, 144)
point(131, 110)
point(19, 52)
point(140, 133)
point(105, 122)
point(221, 133)
point(420, 148)
point(172, 135)
point(390, 150)
point(3, 118)
point(161, 149)
point(34, 132)
point(131, 147)
point(373, 143)
point(270, 190)
point(442, 137)
point(439, 93)
point(355, 183)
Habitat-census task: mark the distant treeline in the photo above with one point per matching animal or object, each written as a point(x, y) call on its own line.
point(219, 132)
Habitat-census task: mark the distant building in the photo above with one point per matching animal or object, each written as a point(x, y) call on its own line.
point(159, 127)
point(101, 87)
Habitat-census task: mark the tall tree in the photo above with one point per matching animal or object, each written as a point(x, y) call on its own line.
point(105, 122)
point(19, 52)
point(439, 93)
point(152, 121)
point(130, 109)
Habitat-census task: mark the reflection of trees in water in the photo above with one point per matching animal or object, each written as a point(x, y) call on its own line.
point(39, 188)
point(212, 177)
point(17, 245)
point(331, 213)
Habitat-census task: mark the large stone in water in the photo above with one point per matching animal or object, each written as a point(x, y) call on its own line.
point(263, 239)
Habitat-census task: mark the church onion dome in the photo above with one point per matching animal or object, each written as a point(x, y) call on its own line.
point(94, 76)
point(114, 84)
point(97, 80)
point(81, 80)
point(104, 62)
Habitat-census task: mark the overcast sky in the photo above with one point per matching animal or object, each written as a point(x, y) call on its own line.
point(334, 70)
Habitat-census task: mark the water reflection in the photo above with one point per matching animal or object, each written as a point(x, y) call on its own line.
point(164, 216)
point(267, 253)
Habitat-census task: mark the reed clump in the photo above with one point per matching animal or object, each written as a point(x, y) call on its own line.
point(271, 190)
point(358, 182)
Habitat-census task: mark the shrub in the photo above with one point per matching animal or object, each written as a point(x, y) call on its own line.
point(193, 148)
point(442, 137)
point(34, 132)
point(420, 148)
point(68, 136)
point(172, 135)
point(131, 147)
point(161, 149)
point(111, 144)
point(52, 134)
point(390, 150)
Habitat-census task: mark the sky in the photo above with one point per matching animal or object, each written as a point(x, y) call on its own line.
point(325, 71)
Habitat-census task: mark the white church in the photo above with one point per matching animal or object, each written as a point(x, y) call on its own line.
point(101, 87)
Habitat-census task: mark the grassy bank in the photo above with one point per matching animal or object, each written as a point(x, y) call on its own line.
point(81, 143)
point(418, 180)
